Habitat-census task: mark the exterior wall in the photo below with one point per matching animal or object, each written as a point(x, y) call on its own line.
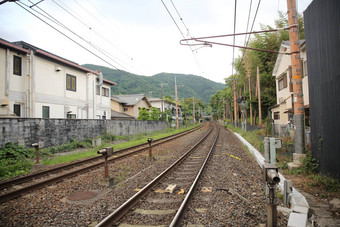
point(17, 85)
point(43, 83)
point(283, 97)
point(116, 106)
point(135, 110)
point(25, 131)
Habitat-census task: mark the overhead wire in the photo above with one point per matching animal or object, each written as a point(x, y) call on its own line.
point(91, 29)
point(252, 26)
point(82, 46)
point(250, 5)
point(53, 19)
point(22, 5)
point(192, 51)
point(233, 62)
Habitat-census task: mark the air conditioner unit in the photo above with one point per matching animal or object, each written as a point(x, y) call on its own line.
point(68, 109)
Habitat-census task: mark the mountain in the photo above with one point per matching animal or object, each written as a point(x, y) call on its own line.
point(128, 83)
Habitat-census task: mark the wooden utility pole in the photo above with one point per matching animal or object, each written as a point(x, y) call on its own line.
point(223, 109)
point(176, 104)
point(250, 105)
point(299, 110)
point(193, 109)
point(259, 94)
point(235, 104)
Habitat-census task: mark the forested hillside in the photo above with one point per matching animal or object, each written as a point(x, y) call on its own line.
point(127, 83)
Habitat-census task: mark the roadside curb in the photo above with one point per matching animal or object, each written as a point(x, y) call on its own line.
point(298, 215)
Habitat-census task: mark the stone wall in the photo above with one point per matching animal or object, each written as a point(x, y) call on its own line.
point(52, 132)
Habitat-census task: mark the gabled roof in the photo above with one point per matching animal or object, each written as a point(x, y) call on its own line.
point(50, 56)
point(11, 46)
point(131, 100)
point(24, 47)
point(159, 100)
point(118, 115)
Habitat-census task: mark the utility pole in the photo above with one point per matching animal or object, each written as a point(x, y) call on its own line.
point(259, 94)
point(223, 109)
point(235, 104)
point(176, 104)
point(297, 77)
point(162, 95)
point(250, 105)
point(193, 109)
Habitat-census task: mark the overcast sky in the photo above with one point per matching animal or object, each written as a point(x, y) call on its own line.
point(139, 36)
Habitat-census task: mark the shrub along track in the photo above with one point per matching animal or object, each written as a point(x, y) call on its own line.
point(16, 187)
point(52, 206)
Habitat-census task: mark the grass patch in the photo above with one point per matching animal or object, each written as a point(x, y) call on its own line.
point(255, 137)
point(71, 157)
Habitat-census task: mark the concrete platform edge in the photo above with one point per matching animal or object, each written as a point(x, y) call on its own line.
point(297, 199)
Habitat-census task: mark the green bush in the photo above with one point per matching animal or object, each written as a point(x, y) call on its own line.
point(13, 160)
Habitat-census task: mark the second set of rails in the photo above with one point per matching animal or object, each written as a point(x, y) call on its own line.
point(16, 187)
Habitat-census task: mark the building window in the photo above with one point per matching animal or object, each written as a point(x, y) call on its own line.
point(105, 92)
point(71, 82)
point(17, 65)
point(283, 82)
point(97, 90)
point(71, 116)
point(125, 109)
point(46, 112)
point(304, 69)
point(276, 115)
point(17, 109)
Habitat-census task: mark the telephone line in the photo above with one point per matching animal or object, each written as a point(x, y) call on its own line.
point(82, 46)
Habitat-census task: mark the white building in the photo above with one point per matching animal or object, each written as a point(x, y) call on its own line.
point(282, 112)
point(38, 84)
point(163, 105)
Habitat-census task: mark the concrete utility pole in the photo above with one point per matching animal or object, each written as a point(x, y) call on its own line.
point(297, 77)
point(259, 94)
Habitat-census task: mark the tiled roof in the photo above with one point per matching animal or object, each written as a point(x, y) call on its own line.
point(130, 100)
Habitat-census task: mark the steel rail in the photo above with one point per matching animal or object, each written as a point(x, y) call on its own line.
point(17, 193)
point(179, 214)
point(126, 206)
point(23, 179)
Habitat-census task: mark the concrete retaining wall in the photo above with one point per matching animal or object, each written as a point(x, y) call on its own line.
point(52, 132)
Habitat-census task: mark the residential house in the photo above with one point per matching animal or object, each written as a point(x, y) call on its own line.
point(282, 112)
point(39, 84)
point(130, 104)
point(163, 105)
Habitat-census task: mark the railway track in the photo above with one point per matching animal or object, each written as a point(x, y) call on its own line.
point(154, 203)
point(14, 188)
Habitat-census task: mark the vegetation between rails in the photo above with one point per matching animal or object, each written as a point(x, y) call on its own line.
point(17, 160)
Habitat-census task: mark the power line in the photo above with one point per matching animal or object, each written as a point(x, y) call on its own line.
point(53, 19)
point(250, 5)
point(257, 9)
point(181, 19)
point(20, 4)
point(91, 29)
point(192, 51)
point(233, 63)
